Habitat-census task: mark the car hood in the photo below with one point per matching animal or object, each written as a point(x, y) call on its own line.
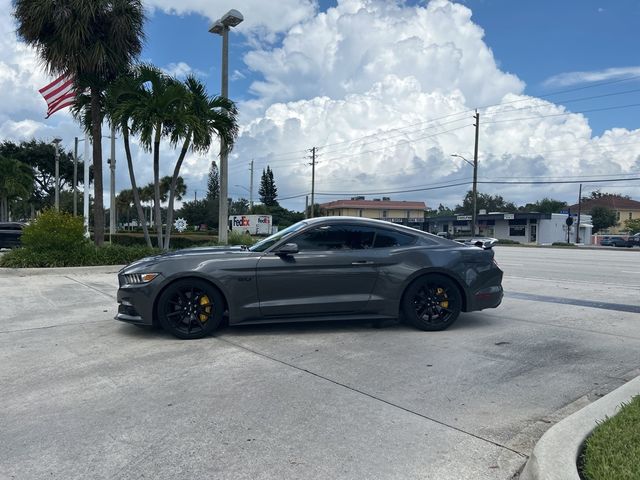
point(188, 252)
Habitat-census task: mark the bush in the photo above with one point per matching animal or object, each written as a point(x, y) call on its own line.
point(506, 241)
point(237, 238)
point(562, 244)
point(56, 237)
point(177, 241)
point(89, 255)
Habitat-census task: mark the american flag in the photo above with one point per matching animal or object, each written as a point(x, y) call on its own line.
point(59, 94)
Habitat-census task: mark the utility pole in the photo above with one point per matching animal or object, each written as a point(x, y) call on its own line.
point(251, 188)
point(112, 186)
point(313, 181)
point(306, 206)
point(75, 177)
point(223, 213)
point(474, 217)
point(195, 195)
point(579, 206)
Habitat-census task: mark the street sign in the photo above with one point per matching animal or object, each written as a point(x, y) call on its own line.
point(564, 212)
point(464, 217)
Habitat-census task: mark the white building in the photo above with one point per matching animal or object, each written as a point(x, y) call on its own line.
point(535, 228)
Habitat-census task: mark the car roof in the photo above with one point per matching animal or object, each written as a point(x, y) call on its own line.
point(372, 222)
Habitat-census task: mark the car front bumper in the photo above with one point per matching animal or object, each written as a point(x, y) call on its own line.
point(135, 305)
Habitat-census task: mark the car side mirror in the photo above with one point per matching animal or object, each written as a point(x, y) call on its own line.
point(287, 249)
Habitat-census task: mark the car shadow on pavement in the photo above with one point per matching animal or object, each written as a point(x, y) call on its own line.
point(466, 321)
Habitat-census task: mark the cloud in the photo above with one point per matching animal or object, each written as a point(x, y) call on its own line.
point(181, 70)
point(262, 19)
point(349, 48)
point(576, 78)
point(387, 92)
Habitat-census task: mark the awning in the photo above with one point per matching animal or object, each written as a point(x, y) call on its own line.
point(586, 225)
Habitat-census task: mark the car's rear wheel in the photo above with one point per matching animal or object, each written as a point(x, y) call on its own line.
point(432, 302)
point(190, 308)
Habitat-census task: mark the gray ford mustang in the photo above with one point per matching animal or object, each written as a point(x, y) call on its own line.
point(326, 268)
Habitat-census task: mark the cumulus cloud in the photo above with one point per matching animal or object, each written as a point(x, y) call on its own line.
point(576, 78)
point(263, 19)
point(367, 80)
point(386, 90)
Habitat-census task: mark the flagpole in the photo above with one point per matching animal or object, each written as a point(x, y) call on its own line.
point(87, 153)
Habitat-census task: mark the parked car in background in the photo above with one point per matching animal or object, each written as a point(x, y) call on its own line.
point(10, 233)
point(615, 241)
point(482, 242)
point(325, 268)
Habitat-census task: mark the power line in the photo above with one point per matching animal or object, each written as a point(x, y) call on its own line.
point(617, 107)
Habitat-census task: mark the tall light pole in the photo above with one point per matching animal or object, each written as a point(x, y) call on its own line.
point(112, 184)
point(221, 27)
point(474, 215)
point(56, 144)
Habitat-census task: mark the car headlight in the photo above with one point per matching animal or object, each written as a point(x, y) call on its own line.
point(138, 278)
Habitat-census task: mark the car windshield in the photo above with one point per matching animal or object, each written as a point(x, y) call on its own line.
point(262, 245)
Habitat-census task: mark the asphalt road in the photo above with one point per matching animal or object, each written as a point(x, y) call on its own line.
point(84, 396)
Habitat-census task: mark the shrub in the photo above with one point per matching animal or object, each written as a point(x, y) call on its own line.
point(561, 244)
point(177, 241)
point(57, 237)
point(89, 255)
point(506, 241)
point(237, 238)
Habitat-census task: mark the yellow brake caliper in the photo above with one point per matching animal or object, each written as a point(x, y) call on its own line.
point(204, 300)
point(444, 303)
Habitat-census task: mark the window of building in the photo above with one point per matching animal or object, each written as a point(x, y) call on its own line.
point(516, 231)
point(360, 212)
point(408, 213)
point(630, 215)
point(618, 216)
point(384, 214)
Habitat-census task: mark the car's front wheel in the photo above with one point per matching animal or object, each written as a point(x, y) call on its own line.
point(190, 308)
point(432, 302)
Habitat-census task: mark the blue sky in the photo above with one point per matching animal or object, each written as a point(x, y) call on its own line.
point(385, 89)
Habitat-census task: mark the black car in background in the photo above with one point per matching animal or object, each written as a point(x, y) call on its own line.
point(10, 233)
point(326, 268)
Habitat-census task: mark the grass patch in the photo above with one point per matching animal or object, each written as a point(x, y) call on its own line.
point(612, 451)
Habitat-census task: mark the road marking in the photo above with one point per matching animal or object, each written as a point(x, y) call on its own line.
point(579, 282)
point(574, 301)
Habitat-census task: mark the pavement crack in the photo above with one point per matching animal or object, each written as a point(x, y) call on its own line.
point(372, 396)
point(52, 326)
point(89, 286)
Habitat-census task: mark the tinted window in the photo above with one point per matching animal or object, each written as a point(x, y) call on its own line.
point(335, 237)
point(390, 238)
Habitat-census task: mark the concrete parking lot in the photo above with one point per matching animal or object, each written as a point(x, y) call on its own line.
point(84, 396)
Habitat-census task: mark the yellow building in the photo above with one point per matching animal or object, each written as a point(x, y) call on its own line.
point(625, 208)
point(379, 208)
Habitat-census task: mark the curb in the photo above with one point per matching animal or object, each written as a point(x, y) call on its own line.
point(556, 453)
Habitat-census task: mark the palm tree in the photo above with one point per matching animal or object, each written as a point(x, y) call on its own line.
point(122, 98)
point(198, 119)
point(152, 117)
point(92, 40)
point(16, 181)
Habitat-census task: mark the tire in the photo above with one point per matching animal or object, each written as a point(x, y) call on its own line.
point(190, 308)
point(432, 303)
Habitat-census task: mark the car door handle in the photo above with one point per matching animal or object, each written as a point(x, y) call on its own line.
point(362, 262)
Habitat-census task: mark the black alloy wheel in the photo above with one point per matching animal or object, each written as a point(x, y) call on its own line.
point(190, 308)
point(432, 303)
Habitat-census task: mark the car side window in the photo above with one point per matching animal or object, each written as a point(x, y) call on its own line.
point(335, 237)
point(390, 238)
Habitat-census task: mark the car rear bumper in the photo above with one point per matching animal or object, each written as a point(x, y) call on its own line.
point(489, 297)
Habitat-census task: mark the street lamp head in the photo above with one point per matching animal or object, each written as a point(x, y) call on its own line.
point(56, 141)
point(232, 18)
point(217, 28)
